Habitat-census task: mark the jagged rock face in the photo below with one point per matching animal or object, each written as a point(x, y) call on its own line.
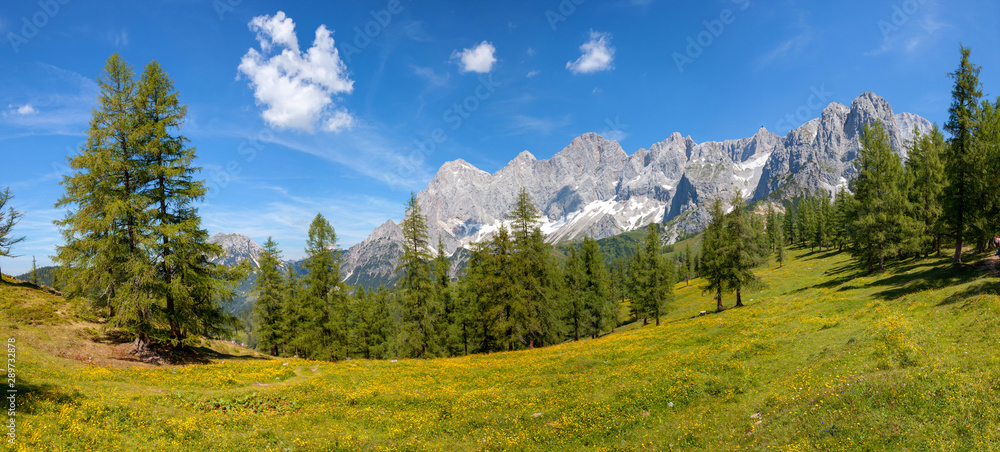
point(594, 187)
point(238, 248)
point(373, 262)
point(819, 155)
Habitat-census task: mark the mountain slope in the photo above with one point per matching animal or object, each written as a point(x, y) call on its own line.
point(824, 358)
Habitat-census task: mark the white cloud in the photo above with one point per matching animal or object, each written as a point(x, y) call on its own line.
point(477, 59)
point(532, 74)
point(598, 55)
point(120, 38)
point(341, 120)
point(296, 88)
point(23, 110)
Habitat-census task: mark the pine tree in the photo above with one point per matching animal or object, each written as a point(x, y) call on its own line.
point(415, 282)
point(448, 326)
point(323, 334)
point(743, 252)
point(292, 326)
point(575, 282)
point(960, 159)
point(840, 217)
point(533, 305)
point(34, 272)
point(599, 310)
point(8, 220)
point(268, 315)
point(879, 221)
point(713, 258)
point(688, 265)
point(925, 174)
point(653, 276)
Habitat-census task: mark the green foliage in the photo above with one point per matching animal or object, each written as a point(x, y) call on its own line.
point(322, 307)
point(743, 252)
point(133, 240)
point(714, 266)
point(8, 220)
point(879, 224)
point(267, 308)
point(961, 159)
point(420, 307)
point(652, 278)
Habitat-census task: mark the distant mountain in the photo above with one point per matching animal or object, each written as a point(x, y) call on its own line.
point(593, 187)
point(238, 248)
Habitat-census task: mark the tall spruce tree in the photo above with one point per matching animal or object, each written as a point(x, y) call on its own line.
point(599, 310)
point(292, 325)
point(653, 277)
point(34, 272)
point(713, 258)
point(960, 159)
point(419, 309)
point(879, 221)
point(268, 313)
point(8, 220)
point(925, 177)
point(323, 304)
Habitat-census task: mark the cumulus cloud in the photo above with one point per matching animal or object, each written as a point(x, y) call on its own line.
point(598, 55)
point(296, 88)
point(532, 74)
point(477, 59)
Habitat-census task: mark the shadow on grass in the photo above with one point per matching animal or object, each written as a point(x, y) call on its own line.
point(990, 287)
point(29, 395)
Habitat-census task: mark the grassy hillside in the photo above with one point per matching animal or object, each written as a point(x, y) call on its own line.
point(823, 358)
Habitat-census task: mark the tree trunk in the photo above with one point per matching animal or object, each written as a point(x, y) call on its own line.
point(958, 252)
point(718, 300)
point(739, 298)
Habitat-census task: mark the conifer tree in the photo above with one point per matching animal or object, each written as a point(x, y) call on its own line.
point(688, 265)
point(599, 309)
point(960, 158)
point(418, 302)
point(323, 305)
point(653, 277)
point(879, 220)
point(575, 274)
point(34, 272)
point(291, 315)
point(713, 258)
point(268, 312)
point(925, 176)
point(742, 252)
point(8, 220)
point(104, 244)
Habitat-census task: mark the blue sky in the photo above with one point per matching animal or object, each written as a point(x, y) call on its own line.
point(344, 107)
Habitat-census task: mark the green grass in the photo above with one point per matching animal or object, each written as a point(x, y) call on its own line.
point(823, 358)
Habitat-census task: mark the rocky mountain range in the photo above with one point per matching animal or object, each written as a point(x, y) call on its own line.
point(592, 186)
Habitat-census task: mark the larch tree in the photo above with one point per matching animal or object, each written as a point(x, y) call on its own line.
point(960, 159)
point(742, 251)
point(925, 180)
point(419, 310)
point(600, 310)
point(653, 276)
point(105, 247)
point(713, 259)
point(8, 220)
point(879, 219)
